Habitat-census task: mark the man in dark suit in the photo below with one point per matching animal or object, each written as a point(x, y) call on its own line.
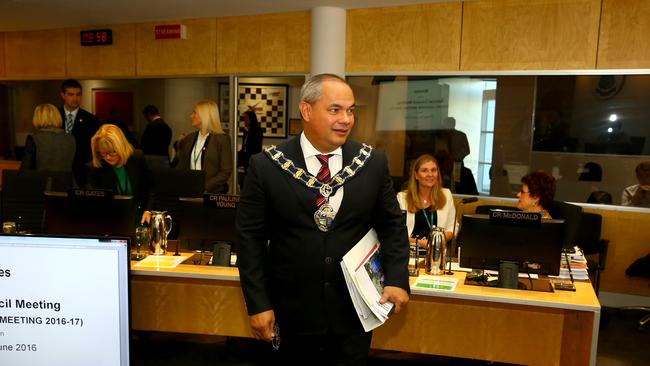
point(289, 262)
point(157, 135)
point(81, 124)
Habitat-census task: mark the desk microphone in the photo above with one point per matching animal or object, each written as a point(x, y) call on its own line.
point(453, 233)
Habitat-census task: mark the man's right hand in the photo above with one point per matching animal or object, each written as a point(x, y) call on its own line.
point(262, 325)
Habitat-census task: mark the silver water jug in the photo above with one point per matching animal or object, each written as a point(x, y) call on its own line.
point(436, 251)
point(160, 226)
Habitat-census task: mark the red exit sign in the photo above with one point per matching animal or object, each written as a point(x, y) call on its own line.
point(170, 31)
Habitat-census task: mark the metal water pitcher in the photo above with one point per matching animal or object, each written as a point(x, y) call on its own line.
point(436, 251)
point(160, 226)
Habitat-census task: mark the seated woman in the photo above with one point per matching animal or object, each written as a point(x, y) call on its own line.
point(639, 194)
point(116, 165)
point(50, 148)
point(426, 202)
point(536, 193)
point(207, 149)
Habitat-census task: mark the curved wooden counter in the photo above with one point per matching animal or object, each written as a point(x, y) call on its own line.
point(522, 327)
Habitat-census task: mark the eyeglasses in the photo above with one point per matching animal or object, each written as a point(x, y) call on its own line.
point(111, 154)
point(275, 342)
point(523, 192)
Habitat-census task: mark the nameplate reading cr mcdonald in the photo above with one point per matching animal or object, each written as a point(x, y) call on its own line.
point(220, 200)
point(515, 218)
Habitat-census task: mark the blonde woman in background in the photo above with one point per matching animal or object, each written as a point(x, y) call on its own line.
point(207, 149)
point(426, 202)
point(116, 165)
point(50, 148)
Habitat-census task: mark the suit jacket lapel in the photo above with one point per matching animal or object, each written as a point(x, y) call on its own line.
point(293, 152)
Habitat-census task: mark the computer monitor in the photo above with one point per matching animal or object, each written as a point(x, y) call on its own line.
point(521, 243)
point(86, 212)
point(65, 300)
point(208, 221)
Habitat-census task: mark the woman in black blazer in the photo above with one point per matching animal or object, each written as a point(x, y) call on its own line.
point(208, 148)
point(116, 165)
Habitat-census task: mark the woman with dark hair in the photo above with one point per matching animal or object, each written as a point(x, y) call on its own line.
point(536, 193)
point(252, 140)
point(426, 202)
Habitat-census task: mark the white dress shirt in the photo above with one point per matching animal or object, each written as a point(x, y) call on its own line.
point(197, 152)
point(313, 166)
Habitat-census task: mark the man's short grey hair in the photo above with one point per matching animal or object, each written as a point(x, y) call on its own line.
point(312, 88)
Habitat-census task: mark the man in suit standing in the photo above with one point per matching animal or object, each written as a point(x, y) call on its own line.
point(294, 233)
point(81, 124)
point(157, 135)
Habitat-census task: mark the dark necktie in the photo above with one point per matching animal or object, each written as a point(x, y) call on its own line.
point(323, 175)
point(69, 123)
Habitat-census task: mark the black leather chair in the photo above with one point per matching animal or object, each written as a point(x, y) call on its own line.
point(571, 214)
point(600, 197)
point(485, 209)
point(589, 240)
point(168, 185)
point(22, 195)
point(640, 268)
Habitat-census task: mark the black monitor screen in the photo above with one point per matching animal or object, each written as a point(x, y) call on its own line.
point(536, 249)
point(202, 224)
point(89, 215)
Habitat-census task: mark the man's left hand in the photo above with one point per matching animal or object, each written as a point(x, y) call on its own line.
point(396, 295)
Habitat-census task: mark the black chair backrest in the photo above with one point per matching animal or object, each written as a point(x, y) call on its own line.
point(22, 195)
point(601, 197)
point(168, 185)
point(571, 214)
point(485, 209)
point(589, 232)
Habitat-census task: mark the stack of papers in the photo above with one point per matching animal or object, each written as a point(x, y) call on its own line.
point(161, 261)
point(365, 279)
point(578, 266)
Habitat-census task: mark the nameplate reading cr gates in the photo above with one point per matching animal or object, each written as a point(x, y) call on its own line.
point(221, 200)
point(515, 218)
point(104, 195)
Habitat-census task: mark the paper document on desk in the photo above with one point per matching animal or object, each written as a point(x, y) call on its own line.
point(365, 279)
point(161, 261)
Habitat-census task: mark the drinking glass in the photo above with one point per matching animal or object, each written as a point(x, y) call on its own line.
point(9, 227)
point(142, 237)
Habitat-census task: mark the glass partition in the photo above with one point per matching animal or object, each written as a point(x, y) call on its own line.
point(589, 131)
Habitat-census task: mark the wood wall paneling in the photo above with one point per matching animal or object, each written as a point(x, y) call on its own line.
point(529, 35)
point(624, 34)
point(117, 59)
point(264, 43)
point(404, 38)
point(2, 55)
point(35, 54)
point(169, 57)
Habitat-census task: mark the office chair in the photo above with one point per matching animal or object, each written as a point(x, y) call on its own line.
point(168, 185)
point(589, 240)
point(600, 197)
point(485, 209)
point(22, 195)
point(640, 268)
point(571, 214)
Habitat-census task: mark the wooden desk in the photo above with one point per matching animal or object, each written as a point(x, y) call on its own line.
point(514, 326)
